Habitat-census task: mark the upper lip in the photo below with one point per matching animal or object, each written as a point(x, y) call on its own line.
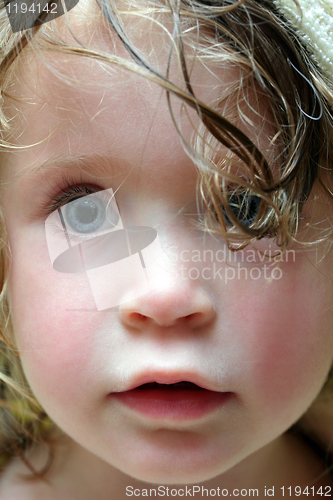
point(169, 377)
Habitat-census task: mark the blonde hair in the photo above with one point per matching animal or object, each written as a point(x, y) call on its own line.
point(254, 36)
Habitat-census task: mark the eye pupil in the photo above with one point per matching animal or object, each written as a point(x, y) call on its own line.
point(244, 207)
point(86, 212)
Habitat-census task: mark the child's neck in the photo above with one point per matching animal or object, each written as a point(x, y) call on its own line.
point(286, 462)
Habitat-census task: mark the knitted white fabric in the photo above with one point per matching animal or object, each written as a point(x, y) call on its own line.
point(314, 22)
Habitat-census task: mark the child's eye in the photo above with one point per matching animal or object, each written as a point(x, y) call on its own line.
point(245, 207)
point(87, 214)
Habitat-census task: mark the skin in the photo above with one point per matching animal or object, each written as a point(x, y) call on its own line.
point(268, 343)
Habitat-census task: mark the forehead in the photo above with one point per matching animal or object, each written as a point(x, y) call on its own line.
point(77, 104)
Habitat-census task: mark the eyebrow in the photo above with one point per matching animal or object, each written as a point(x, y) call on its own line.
point(91, 164)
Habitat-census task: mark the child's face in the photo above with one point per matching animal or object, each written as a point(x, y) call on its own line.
point(266, 344)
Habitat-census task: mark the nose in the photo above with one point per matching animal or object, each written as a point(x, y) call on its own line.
point(171, 301)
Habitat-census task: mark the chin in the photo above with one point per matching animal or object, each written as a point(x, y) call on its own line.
point(171, 474)
point(173, 477)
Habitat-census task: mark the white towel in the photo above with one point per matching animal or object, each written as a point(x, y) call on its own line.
point(314, 22)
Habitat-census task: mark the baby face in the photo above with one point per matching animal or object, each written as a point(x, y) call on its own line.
point(217, 355)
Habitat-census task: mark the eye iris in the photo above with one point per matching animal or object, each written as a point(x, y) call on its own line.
point(245, 208)
point(84, 215)
point(86, 212)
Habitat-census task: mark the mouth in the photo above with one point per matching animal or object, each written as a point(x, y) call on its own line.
point(181, 400)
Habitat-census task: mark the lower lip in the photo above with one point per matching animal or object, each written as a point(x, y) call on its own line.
point(173, 403)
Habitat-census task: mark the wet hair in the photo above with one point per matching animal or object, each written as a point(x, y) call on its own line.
point(245, 194)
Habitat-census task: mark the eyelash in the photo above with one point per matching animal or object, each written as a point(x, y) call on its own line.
point(67, 191)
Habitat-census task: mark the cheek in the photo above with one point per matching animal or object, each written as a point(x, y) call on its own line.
point(286, 330)
point(54, 324)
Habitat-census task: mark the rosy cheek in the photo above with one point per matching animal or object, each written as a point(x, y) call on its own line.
point(54, 327)
point(284, 328)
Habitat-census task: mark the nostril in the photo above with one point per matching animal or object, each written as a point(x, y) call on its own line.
point(191, 317)
point(168, 311)
point(195, 320)
point(138, 317)
point(186, 319)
